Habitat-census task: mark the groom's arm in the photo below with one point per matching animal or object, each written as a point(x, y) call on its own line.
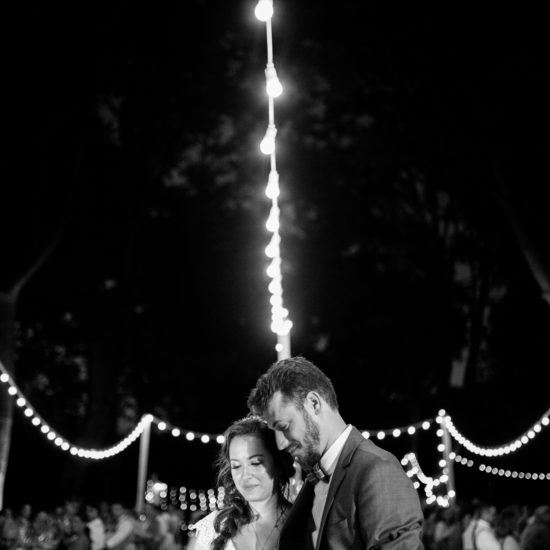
point(388, 508)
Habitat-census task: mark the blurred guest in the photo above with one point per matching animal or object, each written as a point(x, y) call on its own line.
point(96, 528)
point(506, 529)
point(24, 527)
point(121, 538)
point(536, 535)
point(167, 531)
point(78, 539)
point(47, 534)
point(479, 534)
point(428, 532)
point(449, 537)
point(9, 533)
point(146, 529)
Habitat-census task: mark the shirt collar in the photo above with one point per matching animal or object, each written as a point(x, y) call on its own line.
point(329, 459)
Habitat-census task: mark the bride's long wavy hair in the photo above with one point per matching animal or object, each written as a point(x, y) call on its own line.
point(236, 511)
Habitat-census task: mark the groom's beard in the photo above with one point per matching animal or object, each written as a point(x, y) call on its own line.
point(309, 450)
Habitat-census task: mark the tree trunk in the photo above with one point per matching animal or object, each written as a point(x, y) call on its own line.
point(7, 316)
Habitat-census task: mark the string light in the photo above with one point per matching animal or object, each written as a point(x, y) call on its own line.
point(429, 483)
point(273, 85)
point(280, 322)
point(98, 454)
point(396, 432)
point(205, 500)
point(501, 472)
point(51, 435)
point(506, 449)
point(267, 145)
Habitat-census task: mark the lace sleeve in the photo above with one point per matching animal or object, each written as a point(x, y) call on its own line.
point(205, 532)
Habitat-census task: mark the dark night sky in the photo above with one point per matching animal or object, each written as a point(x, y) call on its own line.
point(133, 142)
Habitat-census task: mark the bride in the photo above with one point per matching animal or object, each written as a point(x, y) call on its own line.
point(255, 475)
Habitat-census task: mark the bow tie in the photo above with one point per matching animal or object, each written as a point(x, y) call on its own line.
point(318, 474)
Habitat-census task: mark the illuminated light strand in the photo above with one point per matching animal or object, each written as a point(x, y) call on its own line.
point(189, 435)
point(185, 498)
point(59, 441)
point(506, 449)
point(280, 321)
point(445, 448)
point(396, 432)
point(429, 482)
point(163, 426)
point(501, 472)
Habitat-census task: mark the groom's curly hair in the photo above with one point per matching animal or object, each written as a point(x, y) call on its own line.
point(236, 511)
point(294, 378)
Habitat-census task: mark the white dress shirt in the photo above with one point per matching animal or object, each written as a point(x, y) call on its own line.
point(328, 463)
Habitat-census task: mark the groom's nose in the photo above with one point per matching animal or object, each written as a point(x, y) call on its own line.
point(281, 440)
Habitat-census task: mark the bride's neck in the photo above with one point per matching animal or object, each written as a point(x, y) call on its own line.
point(268, 509)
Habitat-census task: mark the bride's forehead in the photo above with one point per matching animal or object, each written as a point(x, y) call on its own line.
point(246, 445)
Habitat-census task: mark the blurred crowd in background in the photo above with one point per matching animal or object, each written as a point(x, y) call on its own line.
point(110, 526)
point(102, 526)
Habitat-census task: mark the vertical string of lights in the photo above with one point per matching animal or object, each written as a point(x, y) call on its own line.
point(280, 322)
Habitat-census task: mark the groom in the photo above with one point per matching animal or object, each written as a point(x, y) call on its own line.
point(356, 495)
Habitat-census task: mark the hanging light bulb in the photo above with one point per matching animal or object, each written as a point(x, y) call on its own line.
point(267, 146)
point(264, 10)
point(273, 85)
point(272, 189)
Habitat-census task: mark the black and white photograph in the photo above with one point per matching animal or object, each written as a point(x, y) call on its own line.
point(275, 275)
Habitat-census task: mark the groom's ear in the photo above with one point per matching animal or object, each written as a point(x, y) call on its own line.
point(313, 402)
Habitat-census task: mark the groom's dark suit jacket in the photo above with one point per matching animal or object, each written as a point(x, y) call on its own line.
point(371, 504)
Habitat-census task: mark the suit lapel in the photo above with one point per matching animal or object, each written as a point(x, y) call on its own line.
point(338, 476)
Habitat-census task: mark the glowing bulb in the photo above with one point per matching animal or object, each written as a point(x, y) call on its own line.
point(35, 421)
point(274, 268)
point(4, 377)
point(425, 425)
point(380, 435)
point(275, 287)
point(396, 432)
point(264, 10)
point(190, 436)
point(281, 327)
point(28, 412)
point(205, 438)
point(273, 85)
point(272, 223)
point(267, 145)
point(162, 426)
point(411, 430)
point(220, 439)
point(272, 189)
point(20, 402)
point(12, 390)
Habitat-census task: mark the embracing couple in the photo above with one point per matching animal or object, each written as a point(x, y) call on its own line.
point(355, 495)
